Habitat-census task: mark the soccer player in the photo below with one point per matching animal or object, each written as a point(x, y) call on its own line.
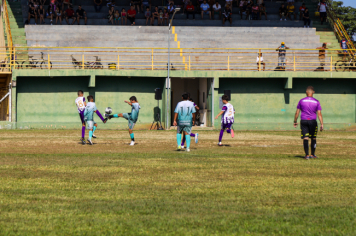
point(191, 134)
point(185, 112)
point(131, 117)
point(309, 107)
point(227, 119)
point(88, 116)
point(81, 104)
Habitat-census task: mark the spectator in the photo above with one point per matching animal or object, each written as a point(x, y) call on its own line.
point(248, 9)
point(32, 14)
point(211, 4)
point(217, 10)
point(344, 46)
point(41, 14)
point(306, 18)
point(283, 12)
point(49, 13)
point(161, 15)
point(228, 2)
point(123, 16)
point(81, 14)
point(36, 6)
point(291, 11)
point(145, 4)
point(31, 3)
point(322, 8)
point(117, 17)
point(70, 14)
point(263, 11)
point(185, 2)
point(205, 9)
point(259, 62)
point(97, 5)
point(171, 9)
point(301, 11)
point(322, 56)
point(112, 3)
point(244, 10)
point(190, 10)
point(52, 4)
point(111, 15)
point(199, 2)
point(134, 4)
point(67, 3)
point(155, 15)
point(108, 3)
point(282, 56)
point(227, 15)
point(165, 17)
point(60, 4)
point(131, 15)
point(255, 11)
point(58, 14)
point(148, 15)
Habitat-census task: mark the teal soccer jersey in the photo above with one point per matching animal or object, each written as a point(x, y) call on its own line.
point(135, 109)
point(89, 111)
point(185, 110)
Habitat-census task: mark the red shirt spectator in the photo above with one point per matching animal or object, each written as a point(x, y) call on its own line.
point(131, 13)
point(190, 7)
point(70, 12)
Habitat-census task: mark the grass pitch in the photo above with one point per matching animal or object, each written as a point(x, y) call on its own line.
point(258, 184)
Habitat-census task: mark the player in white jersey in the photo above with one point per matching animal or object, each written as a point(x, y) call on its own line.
point(89, 111)
point(191, 134)
point(81, 104)
point(227, 120)
point(185, 112)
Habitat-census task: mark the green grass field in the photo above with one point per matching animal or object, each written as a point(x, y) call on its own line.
point(257, 184)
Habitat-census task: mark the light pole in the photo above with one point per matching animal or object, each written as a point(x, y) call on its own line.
point(169, 64)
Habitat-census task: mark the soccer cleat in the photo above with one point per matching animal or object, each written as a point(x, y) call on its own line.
point(132, 143)
point(220, 144)
point(109, 116)
point(90, 142)
point(313, 156)
point(196, 138)
point(105, 120)
point(306, 157)
point(232, 133)
point(182, 146)
point(83, 141)
point(179, 148)
point(94, 136)
point(187, 150)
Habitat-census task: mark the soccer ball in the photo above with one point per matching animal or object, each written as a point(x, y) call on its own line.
point(108, 110)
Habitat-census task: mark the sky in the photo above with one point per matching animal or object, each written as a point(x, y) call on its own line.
point(351, 3)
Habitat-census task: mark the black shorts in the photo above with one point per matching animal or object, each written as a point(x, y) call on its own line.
point(309, 128)
point(323, 14)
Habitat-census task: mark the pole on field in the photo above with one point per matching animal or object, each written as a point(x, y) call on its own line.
point(10, 118)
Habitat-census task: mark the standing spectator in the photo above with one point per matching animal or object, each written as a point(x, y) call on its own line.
point(42, 13)
point(145, 4)
point(306, 18)
point(155, 15)
point(148, 15)
point(301, 11)
point(259, 62)
point(227, 15)
point(205, 9)
point(81, 14)
point(52, 4)
point(343, 45)
point(58, 14)
point(263, 11)
point(49, 13)
point(190, 10)
point(97, 5)
point(67, 3)
point(131, 15)
point(123, 16)
point(70, 14)
point(283, 12)
point(217, 10)
point(32, 14)
point(117, 17)
point(255, 11)
point(171, 9)
point(282, 56)
point(322, 8)
point(291, 11)
point(322, 56)
point(165, 17)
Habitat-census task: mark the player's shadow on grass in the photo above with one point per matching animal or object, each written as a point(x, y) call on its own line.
point(299, 156)
point(225, 145)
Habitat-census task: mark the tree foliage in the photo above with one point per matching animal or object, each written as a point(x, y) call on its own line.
point(347, 16)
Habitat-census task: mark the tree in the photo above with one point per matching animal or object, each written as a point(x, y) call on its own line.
point(347, 16)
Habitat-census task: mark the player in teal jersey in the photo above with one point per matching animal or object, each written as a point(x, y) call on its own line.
point(185, 112)
point(89, 117)
point(130, 117)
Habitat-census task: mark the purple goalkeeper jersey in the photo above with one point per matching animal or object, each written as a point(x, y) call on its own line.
point(309, 107)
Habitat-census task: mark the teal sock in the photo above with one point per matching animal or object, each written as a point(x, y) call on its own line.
point(179, 139)
point(94, 129)
point(187, 139)
point(90, 134)
point(132, 137)
point(116, 115)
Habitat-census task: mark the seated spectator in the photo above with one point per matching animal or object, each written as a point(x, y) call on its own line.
point(171, 9)
point(263, 11)
point(301, 11)
point(97, 5)
point(227, 15)
point(145, 4)
point(111, 15)
point(165, 17)
point(344, 45)
point(32, 14)
point(217, 10)
point(306, 18)
point(255, 12)
point(70, 14)
point(58, 14)
point(249, 9)
point(36, 6)
point(41, 14)
point(131, 15)
point(49, 13)
point(148, 15)
point(205, 9)
point(161, 15)
point(228, 2)
point(135, 4)
point(291, 11)
point(283, 12)
point(81, 14)
point(60, 4)
point(117, 17)
point(155, 14)
point(259, 62)
point(244, 10)
point(123, 16)
point(190, 10)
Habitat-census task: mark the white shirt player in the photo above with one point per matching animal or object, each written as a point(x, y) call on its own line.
point(229, 114)
point(80, 102)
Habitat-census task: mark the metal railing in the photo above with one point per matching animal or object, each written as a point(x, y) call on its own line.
point(188, 59)
point(7, 25)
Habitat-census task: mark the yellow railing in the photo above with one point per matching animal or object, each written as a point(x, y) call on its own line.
point(7, 25)
point(188, 59)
